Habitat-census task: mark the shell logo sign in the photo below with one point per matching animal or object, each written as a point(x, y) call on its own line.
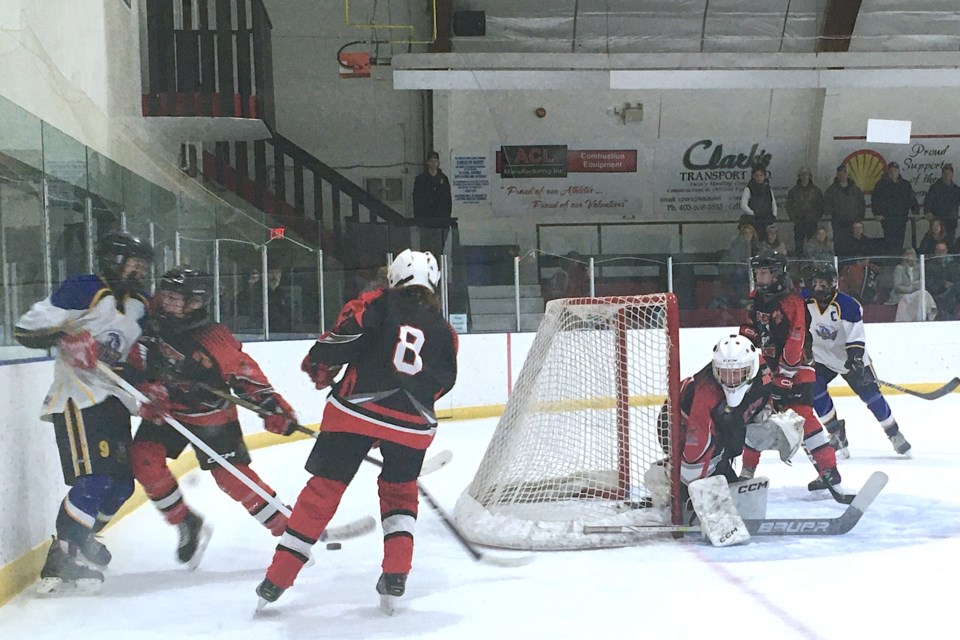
point(865, 167)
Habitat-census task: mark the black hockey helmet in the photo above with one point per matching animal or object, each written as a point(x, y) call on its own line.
point(825, 272)
point(776, 263)
point(113, 251)
point(195, 287)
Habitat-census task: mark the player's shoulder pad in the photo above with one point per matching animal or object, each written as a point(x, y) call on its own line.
point(142, 296)
point(358, 306)
point(216, 336)
point(850, 309)
point(80, 292)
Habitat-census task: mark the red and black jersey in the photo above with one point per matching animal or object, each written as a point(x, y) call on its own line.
point(207, 354)
point(780, 328)
point(710, 430)
point(401, 357)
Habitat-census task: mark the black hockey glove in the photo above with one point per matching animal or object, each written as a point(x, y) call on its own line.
point(856, 369)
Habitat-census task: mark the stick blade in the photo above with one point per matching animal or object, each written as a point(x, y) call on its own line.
point(506, 561)
point(354, 529)
point(436, 462)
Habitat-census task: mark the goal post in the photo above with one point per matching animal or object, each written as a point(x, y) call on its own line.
point(588, 435)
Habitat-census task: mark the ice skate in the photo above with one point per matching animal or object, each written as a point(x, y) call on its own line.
point(838, 438)
point(194, 537)
point(820, 484)
point(62, 574)
point(92, 553)
point(391, 587)
point(900, 444)
point(269, 593)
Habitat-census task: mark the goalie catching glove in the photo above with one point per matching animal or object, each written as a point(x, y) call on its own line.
point(782, 432)
point(281, 419)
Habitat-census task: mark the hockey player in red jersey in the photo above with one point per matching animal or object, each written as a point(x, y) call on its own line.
point(779, 325)
point(182, 347)
point(400, 357)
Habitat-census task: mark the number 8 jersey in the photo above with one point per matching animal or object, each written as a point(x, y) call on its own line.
point(401, 357)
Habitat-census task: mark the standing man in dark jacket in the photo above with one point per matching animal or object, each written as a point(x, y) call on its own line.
point(758, 201)
point(893, 202)
point(942, 201)
point(805, 208)
point(432, 205)
point(843, 203)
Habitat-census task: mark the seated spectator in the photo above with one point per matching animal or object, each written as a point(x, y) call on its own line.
point(819, 248)
point(570, 281)
point(906, 277)
point(943, 282)
point(250, 302)
point(735, 260)
point(935, 233)
point(771, 241)
point(918, 306)
point(857, 244)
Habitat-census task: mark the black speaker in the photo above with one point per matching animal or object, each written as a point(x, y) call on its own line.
point(469, 23)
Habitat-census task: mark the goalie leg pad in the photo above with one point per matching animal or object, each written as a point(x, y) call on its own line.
point(750, 497)
point(719, 520)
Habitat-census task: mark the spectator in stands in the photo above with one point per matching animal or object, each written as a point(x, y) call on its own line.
point(906, 277)
point(856, 244)
point(432, 205)
point(943, 281)
point(772, 242)
point(251, 302)
point(942, 201)
point(758, 201)
point(934, 234)
point(860, 274)
point(819, 248)
point(843, 204)
point(571, 280)
point(805, 208)
point(892, 202)
point(735, 260)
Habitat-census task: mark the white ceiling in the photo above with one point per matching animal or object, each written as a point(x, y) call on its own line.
point(647, 26)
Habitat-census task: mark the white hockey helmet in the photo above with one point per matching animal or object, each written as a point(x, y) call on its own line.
point(736, 362)
point(414, 268)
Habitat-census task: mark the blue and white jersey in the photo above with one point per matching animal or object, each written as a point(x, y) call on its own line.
point(836, 326)
point(83, 303)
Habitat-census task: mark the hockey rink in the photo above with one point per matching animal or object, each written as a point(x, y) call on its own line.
point(890, 577)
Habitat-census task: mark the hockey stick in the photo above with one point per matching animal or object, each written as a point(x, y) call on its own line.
point(842, 498)
point(435, 463)
point(342, 532)
point(779, 526)
point(930, 395)
point(476, 554)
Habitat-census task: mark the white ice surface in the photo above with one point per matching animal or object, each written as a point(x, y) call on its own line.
point(893, 576)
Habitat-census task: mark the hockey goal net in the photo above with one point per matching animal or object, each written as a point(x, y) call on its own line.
point(592, 411)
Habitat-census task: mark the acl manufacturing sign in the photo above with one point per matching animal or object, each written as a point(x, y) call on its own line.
point(556, 161)
point(706, 176)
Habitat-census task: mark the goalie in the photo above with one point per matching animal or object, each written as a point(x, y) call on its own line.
point(723, 406)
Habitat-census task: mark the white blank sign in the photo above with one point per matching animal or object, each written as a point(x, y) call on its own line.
point(892, 131)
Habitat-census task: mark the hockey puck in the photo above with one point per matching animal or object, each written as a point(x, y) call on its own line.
point(333, 546)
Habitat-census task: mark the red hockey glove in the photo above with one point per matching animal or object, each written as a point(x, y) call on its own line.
point(80, 350)
point(158, 402)
point(282, 420)
point(782, 393)
point(749, 332)
point(321, 374)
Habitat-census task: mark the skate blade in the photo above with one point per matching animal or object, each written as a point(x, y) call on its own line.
point(58, 586)
point(261, 605)
point(389, 605)
point(206, 532)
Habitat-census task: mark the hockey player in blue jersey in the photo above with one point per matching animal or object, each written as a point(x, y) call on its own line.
point(839, 347)
point(89, 318)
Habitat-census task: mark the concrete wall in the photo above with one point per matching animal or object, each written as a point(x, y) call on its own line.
point(31, 482)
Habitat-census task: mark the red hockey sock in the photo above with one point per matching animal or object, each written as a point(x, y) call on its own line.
point(149, 463)
point(815, 437)
point(751, 457)
point(315, 507)
point(398, 514)
point(266, 514)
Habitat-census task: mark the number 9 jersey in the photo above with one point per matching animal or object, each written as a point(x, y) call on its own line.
point(400, 356)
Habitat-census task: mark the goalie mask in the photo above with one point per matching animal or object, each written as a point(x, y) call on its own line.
point(736, 362)
point(414, 268)
point(823, 282)
point(182, 298)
